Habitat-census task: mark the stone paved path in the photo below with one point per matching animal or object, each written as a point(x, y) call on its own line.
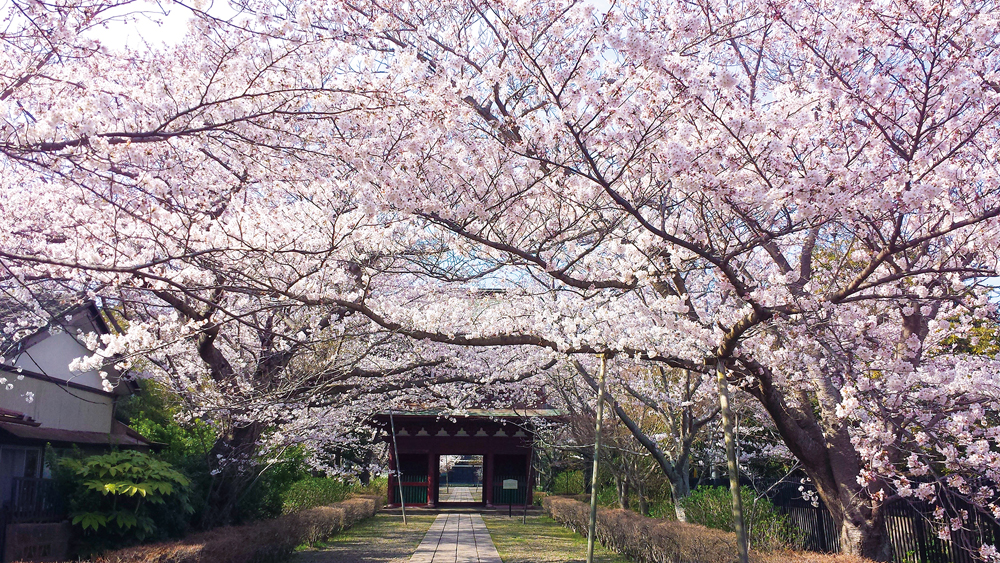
point(462, 494)
point(457, 538)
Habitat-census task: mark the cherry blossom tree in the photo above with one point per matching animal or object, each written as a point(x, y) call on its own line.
point(678, 405)
point(103, 199)
point(803, 193)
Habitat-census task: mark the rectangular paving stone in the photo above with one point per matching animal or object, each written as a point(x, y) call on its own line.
point(457, 538)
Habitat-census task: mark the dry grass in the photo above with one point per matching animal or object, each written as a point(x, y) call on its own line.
point(382, 539)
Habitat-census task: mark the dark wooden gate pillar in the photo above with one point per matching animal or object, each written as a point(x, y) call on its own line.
point(432, 469)
point(391, 490)
point(488, 479)
point(529, 479)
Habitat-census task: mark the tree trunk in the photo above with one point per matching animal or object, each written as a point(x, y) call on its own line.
point(829, 457)
point(643, 501)
point(861, 528)
point(231, 479)
point(680, 489)
point(621, 484)
point(866, 540)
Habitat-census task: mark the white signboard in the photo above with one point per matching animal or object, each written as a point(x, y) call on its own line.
point(509, 484)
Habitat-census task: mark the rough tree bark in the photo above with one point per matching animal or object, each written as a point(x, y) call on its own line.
point(823, 446)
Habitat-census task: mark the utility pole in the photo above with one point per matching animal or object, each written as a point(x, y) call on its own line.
point(399, 482)
point(529, 485)
point(734, 472)
point(592, 529)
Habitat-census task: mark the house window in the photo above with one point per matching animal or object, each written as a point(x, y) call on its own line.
point(18, 461)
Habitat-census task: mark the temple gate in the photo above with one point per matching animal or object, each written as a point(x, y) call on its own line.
point(502, 438)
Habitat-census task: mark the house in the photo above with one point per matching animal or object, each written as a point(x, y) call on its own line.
point(43, 402)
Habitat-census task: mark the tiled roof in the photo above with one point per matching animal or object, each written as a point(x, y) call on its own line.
point(51, 301)
point(15, 417)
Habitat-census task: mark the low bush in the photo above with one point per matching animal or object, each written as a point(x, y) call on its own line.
point(310, 492)
point(647, 540)
point(378, 486)
point(120, 498)
point(652, 540)
point(569, 483)
point(269, 541)
point(313, 491)
point(767, 530)
point(806, 557)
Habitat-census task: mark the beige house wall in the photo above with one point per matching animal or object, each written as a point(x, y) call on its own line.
point(58, 406)
point(52, 355)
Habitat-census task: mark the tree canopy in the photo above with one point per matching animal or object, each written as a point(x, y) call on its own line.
point(803, 192)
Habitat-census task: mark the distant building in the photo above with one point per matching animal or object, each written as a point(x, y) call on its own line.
point(43, 402)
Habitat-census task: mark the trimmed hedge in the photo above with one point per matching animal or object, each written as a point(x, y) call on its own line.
point(652, 540)
point(806, 557)
point(269, 541)
point(644, 539)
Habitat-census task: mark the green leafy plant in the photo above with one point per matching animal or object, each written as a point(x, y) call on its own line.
point(314, 491)
point(264, 497)
point(155, 412)
point(158, 414)
point(111, 494)
point(767, 529)
point(569, 483)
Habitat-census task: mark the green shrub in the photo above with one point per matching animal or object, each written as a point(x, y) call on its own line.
point(569, 483)
point(767, 530)
point(154, 413)
point(313, 491)
point(110, 496)
point(265, 497)
point(607, 495)
point(662, 508)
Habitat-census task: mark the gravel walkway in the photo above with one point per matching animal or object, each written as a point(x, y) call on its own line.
point(382, 539)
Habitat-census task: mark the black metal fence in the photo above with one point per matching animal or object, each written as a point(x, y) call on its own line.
point(35, 500)
point(910, 526)
point(819, 532)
